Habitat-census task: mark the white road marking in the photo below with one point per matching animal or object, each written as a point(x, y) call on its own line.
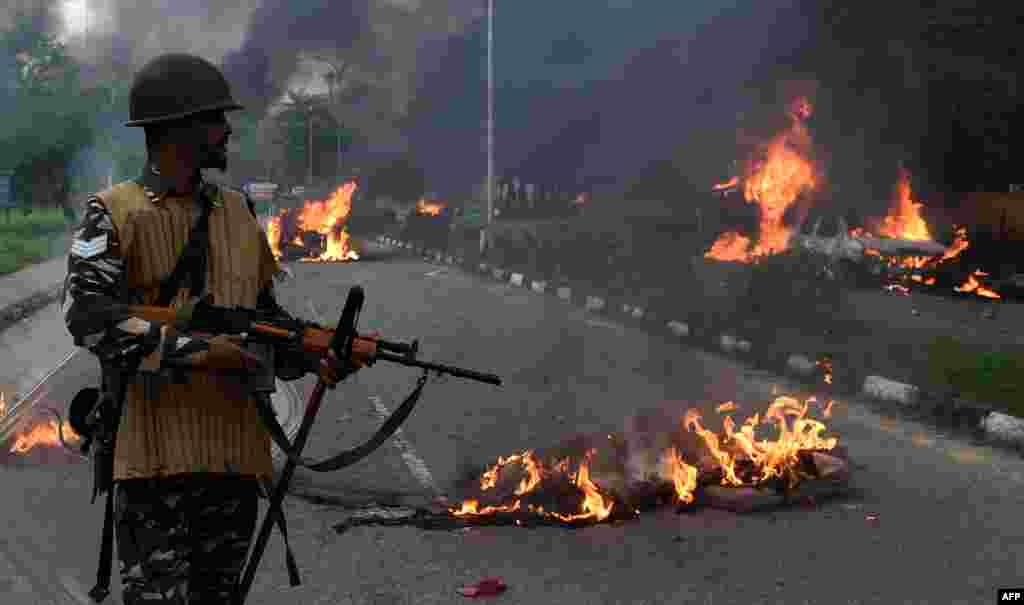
point(74, 589)
point(412, 460)
point(416, 466)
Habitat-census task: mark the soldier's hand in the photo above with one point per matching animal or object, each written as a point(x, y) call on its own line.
point(221, 352)
point(333, 370)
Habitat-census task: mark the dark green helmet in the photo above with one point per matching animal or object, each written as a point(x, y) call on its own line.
point(175, 86)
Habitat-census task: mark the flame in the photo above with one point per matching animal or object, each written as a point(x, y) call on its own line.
point(326, 217)
point(728, 406)
point(777, 174)
point(274, 235)
point(43, 434)
point(826, 367)
point(973, 286)
point(733, 182)
point(430, 208)
point(595, 504)
point(904, 220)
point(683, 475)
point(770, 459)
point(960, 243)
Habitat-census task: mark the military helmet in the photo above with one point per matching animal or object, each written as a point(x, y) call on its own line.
point(175, 86)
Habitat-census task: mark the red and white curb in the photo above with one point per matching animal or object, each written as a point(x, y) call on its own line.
point(997, 427)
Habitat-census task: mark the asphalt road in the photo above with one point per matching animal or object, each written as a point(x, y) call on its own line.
point(947, 510)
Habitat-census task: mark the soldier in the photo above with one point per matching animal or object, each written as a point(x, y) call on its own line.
point(190, 454)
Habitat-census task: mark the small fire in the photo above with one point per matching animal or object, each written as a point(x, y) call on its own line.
point(733, 182)
point(960, 243)
point(326, 217)
point(826, 368)
point(904, 220)
point(426, 208)
point(728, 406)
point(595, 504)
point(274, 234)
point(777, 174)
point(973, 286)
point(684, 476)
point(763, 459)
point(43, 434)
point(739, 457)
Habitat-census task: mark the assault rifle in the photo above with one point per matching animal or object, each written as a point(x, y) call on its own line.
point(312, 338)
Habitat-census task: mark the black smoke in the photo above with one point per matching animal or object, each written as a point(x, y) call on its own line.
point(279, 31)
point(595, 102)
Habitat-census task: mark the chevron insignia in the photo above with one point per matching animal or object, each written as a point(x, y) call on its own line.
point(88, 249)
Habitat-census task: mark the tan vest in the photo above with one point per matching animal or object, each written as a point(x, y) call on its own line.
point(208, 425)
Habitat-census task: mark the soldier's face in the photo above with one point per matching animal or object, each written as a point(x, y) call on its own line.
point(213, 132)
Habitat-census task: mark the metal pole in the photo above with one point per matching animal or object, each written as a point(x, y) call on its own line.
point(490, 125)
point(309, 122)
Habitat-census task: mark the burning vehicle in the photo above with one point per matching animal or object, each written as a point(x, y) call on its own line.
point(781, 179)
point(315, 230)
point(429, 224)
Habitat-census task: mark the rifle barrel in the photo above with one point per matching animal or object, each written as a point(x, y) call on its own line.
point(444, 369)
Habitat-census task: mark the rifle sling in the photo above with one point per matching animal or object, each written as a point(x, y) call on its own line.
point(347, 457)
point(192, 261)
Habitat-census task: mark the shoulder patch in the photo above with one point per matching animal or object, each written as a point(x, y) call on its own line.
point(89, 248)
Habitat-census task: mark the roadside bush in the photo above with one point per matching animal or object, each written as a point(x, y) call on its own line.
point(995, 377)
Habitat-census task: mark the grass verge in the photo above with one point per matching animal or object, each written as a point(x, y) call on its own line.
point(28, 238)
point(995, 377)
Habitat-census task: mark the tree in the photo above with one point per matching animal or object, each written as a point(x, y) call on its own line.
point(298, 114)
point(48, 117)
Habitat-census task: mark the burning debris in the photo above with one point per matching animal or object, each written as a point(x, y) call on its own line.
point(430, 208)
point(315, 232)
point(608, 478)
point(38, 441)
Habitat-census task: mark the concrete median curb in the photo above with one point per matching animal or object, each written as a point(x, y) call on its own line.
point(996, 427)
point(29, 305)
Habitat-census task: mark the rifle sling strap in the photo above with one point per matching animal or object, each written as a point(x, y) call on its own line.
point(347, 457)
point(192, 262)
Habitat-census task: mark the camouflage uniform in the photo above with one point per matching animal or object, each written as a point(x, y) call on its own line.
point(183, 540)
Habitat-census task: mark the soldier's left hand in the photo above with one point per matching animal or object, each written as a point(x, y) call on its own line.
point(333, 370)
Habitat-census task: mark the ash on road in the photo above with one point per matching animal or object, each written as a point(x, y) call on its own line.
point(935, 519)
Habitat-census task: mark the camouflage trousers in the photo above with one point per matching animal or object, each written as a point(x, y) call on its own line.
point(183, 540)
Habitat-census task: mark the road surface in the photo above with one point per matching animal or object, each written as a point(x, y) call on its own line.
point(947, 511)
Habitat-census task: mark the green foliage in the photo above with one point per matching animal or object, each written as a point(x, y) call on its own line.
point(49, 115)
point(978, 374)
point(294, 121)
point(27, 239)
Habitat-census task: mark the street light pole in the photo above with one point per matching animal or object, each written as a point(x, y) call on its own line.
point(490, 126)
point(309, 124)
point(335, 82)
